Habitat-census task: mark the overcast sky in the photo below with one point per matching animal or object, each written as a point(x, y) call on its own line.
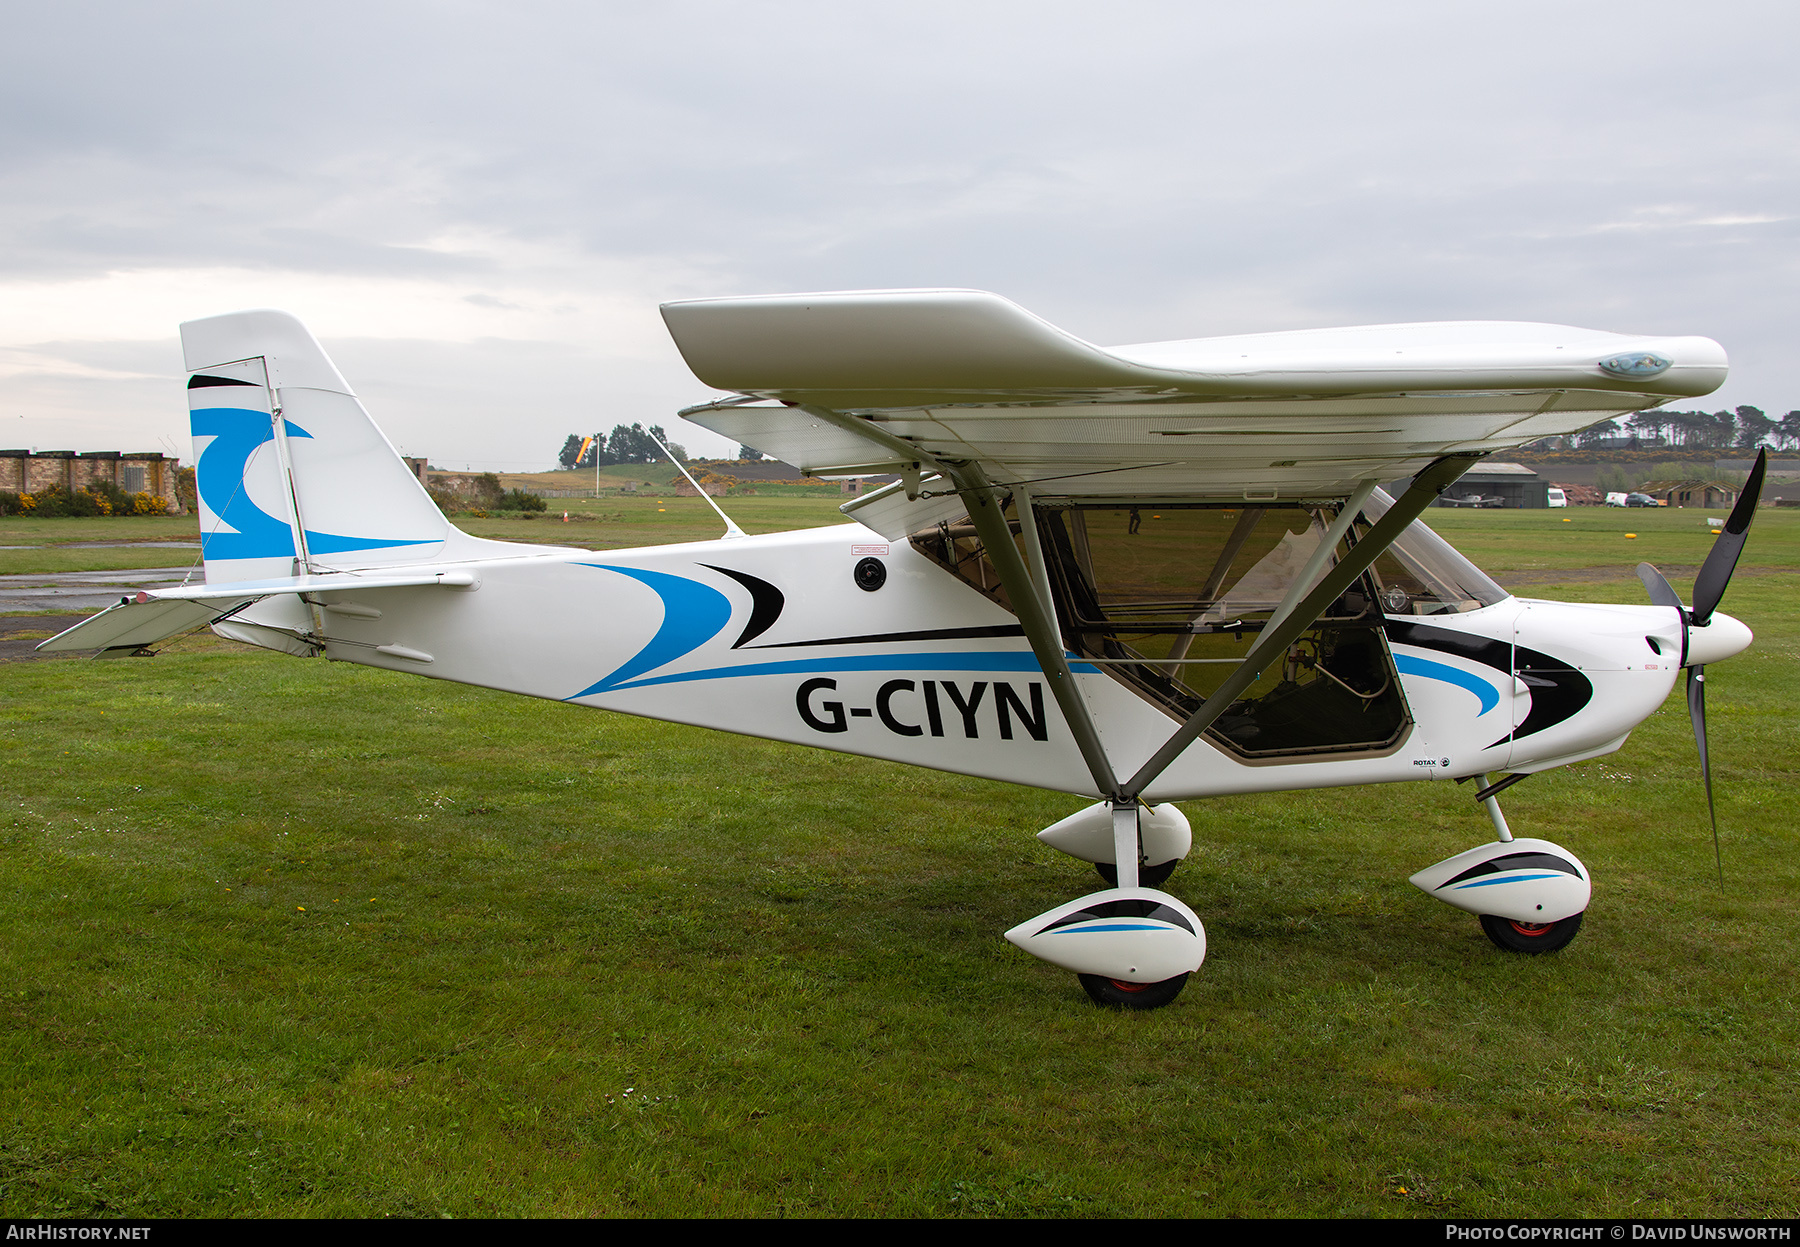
point(477, 207)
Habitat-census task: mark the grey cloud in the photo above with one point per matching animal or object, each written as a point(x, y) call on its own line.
point(509, 405)
point(1148, 172)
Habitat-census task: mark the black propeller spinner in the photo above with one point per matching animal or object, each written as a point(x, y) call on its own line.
point(1709, 587)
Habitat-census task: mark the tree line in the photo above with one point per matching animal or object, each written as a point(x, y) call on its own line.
point(622, 445)
point(1745, 428)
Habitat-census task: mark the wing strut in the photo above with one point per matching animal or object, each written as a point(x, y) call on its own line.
point(908, 458)
point(731, 528)
point(983, 500)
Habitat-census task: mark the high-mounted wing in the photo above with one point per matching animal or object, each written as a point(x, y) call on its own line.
point(969, 376)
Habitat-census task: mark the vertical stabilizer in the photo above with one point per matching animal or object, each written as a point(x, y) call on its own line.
point(293, 476)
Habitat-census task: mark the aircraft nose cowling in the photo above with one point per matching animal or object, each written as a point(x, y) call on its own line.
point(1720, 639)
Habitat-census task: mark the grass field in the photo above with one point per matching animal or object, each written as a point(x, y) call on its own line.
point(603, 524)
point(1500, 541)
point(297, 938)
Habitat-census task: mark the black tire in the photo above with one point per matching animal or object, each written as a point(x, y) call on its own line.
point(1530, 937)
point(1148, 876)
point(1117, 994)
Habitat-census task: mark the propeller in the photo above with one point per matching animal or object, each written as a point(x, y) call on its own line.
point(1709, 587)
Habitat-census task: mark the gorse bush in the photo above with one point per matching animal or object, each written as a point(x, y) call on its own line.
point(97, 498)
point(447, 502)
point(81, 504)
point(519, 500)
point(485, 496)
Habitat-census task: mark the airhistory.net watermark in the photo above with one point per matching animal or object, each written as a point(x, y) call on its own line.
point(48, 1232)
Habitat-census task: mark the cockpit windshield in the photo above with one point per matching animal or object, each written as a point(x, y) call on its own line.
point(1422, 574)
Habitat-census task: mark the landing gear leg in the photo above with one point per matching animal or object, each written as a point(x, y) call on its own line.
point(1128, 849)
point(1148, 876)
point(1128, 846)
point(1502, 832)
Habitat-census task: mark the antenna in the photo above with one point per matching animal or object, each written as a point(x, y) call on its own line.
point(731, 529)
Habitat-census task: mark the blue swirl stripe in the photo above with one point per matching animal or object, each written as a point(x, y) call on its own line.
point(1488, 883)
point(1406, 664)
point(990, 660)
point(238, 433)
point(1092, 928)
point(693, 614)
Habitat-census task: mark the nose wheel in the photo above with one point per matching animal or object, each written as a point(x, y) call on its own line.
point(1530, 937)
point(1120, 994)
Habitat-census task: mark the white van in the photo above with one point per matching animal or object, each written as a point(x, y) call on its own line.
point(1615, 500)
point(1556, 497)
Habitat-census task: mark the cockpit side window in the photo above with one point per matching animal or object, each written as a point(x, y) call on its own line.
point(1168, 599)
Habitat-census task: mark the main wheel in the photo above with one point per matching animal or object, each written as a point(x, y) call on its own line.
point(1148, 876)
point(1530, 937)
point(1119, 994)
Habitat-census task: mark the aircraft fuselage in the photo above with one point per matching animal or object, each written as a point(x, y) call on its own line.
point(777, 636)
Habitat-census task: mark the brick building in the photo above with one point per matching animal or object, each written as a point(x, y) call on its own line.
point(1692, 493)
point(145, 472)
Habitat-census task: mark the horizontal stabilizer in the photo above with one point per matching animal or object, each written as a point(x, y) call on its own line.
point(454, 578)
point(157, 614)
point(132, 625)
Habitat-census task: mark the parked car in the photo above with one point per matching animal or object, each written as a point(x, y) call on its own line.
point(1641, 500)
point(1555, 497)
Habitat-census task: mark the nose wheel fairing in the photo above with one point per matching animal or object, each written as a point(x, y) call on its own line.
point(1132, 935)
point(1523, 880)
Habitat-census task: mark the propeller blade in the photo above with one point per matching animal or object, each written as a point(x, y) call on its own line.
point(1721, 560)
point(1696, 699)
point(1658, 587)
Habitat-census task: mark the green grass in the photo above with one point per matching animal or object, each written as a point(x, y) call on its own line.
point(1582, 537)
point(16, 530)
point(1499, 541)
point(53, 560)
point(603, 524)
point(45, 549)
point(298, 938)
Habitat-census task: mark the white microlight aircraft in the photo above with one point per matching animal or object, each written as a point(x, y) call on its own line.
point(1142, 574)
